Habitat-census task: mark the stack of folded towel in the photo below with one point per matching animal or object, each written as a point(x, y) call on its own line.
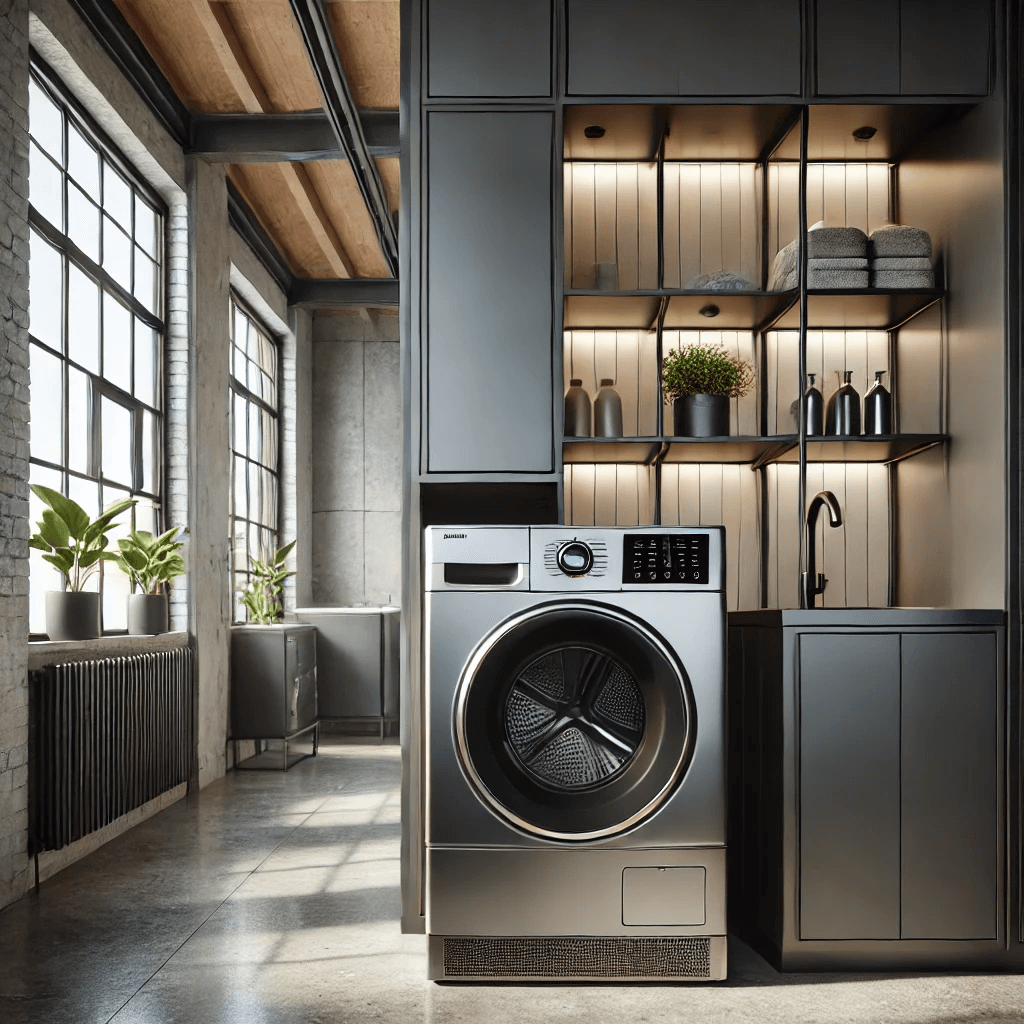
point(901, 257)
point(836, 258)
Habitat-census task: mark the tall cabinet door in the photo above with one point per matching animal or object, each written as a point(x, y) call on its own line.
point(489, 292)
point(849, 809)
point(950, 775)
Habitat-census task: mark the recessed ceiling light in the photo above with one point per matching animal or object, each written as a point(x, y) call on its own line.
point(864, 133)
point(709, 310)
point(593, 131)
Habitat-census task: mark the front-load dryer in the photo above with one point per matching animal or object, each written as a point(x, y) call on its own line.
point(575, 753)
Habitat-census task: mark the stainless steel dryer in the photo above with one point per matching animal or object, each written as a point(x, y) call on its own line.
point(575, 753)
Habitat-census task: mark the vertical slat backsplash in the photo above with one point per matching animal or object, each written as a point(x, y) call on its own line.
point(609, 495)
point(712, 221)
point(611, 216)
point(720, 495)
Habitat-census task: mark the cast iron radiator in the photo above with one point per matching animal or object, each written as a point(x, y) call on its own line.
point(105, 737)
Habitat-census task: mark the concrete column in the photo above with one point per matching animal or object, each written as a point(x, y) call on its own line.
point(302, 440)
point(14, 429)
point(209, 466)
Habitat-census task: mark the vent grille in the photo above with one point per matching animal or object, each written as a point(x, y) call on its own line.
point(612, 957)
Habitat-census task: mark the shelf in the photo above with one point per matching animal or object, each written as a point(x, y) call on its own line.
point(864, 309)
point(863, 448)
point(625, 450)
point(737, 311)
point(758, 451)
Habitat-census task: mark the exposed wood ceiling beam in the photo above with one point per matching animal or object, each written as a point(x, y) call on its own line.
point(316, 293)
point(246, 83)
point(344, 118)
point(272, 138)
point(254, 234)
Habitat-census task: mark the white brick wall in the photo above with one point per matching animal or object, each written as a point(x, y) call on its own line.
point(14, 434)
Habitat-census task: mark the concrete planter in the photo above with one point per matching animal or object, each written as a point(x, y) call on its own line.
point(147, 614)
point(72, 616)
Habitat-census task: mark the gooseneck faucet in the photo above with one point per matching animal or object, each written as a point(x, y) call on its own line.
point(812, 582)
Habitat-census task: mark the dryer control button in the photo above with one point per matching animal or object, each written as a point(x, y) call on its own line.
point(575, 558)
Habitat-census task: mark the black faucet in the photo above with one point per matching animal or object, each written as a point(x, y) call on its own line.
point(813, 582)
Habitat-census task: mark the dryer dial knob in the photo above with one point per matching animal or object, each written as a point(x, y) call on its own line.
point(575, 558)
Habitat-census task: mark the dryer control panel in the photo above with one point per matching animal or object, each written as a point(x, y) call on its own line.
point(665, 558)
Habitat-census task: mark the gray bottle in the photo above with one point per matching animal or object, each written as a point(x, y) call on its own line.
point(577, 410)
point(843, 416)
point(607, 411)
point(814, 408)
point(878, 408)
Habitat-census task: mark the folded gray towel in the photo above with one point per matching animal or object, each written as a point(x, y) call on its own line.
point(903, 279)
point(900, 240)
point(842, 279)
point(840, 263)
point(901, 263)
point(720, 281)
point(829, 243)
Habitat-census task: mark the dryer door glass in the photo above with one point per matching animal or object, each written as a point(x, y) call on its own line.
point(574, 721)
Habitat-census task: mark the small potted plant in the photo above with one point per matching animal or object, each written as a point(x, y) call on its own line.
point(151, 563)
point(76, 546)
point(262, 597)
point(700, 380)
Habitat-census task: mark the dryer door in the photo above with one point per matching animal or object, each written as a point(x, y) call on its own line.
point(574, 721)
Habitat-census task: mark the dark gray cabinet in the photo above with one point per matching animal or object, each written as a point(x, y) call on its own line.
point(903, 47)
point(489, 292)
point(849, 786)
point(865, 825)
point(683, 48)
point(489, 49)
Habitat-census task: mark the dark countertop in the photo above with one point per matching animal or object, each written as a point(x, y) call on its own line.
point(887, 618)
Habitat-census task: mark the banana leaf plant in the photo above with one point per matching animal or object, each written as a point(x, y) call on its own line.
point(73, 543)
point(262, 597)
point(151, 562)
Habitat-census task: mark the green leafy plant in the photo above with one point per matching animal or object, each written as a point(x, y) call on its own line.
point(705, 370)
point(74, 544)
point(262, 597)
point(151, 562)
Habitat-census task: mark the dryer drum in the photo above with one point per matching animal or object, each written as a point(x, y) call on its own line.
point(575, 722)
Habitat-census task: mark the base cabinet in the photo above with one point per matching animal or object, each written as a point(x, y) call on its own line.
point(882, 846)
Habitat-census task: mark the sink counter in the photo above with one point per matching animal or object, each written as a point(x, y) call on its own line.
point(889, 618)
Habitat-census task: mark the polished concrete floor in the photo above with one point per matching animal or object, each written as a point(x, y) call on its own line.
point(274, 897)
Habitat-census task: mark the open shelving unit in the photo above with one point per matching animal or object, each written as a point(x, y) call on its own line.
point(665, 201)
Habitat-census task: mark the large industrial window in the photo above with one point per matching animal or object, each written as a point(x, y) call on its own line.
point(255, 460)
point(96, 332)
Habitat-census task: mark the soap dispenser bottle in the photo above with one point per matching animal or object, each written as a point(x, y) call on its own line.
point(878, 408)
point(843, 416)
point(577, 410)
point(607, 411)
point(814, 408)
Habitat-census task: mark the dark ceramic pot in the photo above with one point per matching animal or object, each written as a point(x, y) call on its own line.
point(147, 614)
point(701, 416)
point(72, 616)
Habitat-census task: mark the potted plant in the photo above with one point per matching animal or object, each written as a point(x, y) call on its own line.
point(151, 563)
point(262, 597)
point(76, 546)
point(701, 380)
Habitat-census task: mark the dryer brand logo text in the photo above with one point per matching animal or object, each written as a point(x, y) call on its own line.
point(454, 536)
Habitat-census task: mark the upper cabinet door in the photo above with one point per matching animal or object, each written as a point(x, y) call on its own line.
point(486, 49)
point(490, 281)
point(945, 46)
point(684, 48)
point(903, 47)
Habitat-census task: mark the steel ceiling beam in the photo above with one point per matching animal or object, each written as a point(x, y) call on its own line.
point(316, 293)
point(344, 119)
point(274, 138)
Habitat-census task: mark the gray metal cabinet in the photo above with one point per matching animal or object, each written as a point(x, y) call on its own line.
point(849, 786)
point(489, 49)
point(683, 48)
point(490, 292)
point(867, 760)
point(908, 47)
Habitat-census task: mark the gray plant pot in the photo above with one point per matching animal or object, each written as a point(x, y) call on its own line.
point(701, 416)
point(72, 616)
point(147, 614)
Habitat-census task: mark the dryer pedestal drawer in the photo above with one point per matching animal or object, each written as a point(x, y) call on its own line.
point(574, 891)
